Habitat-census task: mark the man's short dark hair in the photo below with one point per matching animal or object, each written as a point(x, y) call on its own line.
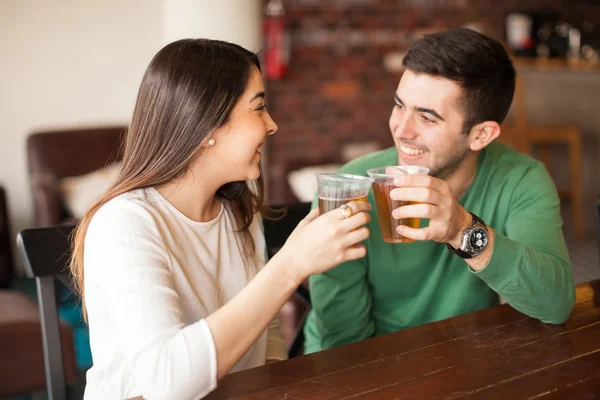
point(479, 64)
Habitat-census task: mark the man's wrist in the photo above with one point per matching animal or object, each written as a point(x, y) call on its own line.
point(465, 221)
point(481, 261)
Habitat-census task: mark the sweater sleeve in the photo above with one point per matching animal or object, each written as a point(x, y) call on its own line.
point(341, 313)
point(530, 266)
point(129, 288)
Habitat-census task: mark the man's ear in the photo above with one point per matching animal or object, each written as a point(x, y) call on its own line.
point(483, 134)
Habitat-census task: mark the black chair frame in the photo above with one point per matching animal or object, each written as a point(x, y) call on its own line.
point(45, 253)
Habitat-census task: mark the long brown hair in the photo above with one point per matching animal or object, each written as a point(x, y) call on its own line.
point(187, 92)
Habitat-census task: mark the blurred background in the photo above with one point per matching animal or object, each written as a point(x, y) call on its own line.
point(69, 72)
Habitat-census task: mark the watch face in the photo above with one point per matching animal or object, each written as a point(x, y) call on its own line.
point(478, 239)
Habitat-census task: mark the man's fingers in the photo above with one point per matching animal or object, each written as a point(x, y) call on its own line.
point(419, 194)
point(414, 233)
point(421, 210)
point(419, 180)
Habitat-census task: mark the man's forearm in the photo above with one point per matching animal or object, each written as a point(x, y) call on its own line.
point(537, 283)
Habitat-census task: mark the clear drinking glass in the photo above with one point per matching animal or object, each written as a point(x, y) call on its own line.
point(336, 189)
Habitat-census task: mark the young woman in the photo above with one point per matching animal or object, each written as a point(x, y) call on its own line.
point(176, 288)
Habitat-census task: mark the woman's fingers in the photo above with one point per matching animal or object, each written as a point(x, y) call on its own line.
point(311, 216)
point(353, 207)
point(356, 252)
point(332, 238)
point(355, 221)
point(356, 236)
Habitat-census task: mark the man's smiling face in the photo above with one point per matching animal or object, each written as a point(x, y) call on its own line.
point(427, 123)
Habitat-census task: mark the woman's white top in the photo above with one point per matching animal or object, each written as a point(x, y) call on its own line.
point(151, 276)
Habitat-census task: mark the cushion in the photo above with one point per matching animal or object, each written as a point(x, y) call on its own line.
point(80, 192)
point(304, 182)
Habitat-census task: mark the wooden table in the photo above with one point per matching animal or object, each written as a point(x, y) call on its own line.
point(496, 353)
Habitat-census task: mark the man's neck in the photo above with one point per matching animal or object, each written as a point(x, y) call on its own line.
point(460, 180)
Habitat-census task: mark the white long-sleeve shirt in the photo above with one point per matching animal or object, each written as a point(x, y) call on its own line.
point(151, 276)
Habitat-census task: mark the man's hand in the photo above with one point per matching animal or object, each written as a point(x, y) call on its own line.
point(447, 218)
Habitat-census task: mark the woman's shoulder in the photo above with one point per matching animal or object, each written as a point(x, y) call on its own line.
point(123, 238)
point(131, 213)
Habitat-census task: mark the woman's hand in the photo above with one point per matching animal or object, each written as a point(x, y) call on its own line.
point(321, 242)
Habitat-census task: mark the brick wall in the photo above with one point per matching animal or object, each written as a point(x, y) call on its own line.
point(341, 79)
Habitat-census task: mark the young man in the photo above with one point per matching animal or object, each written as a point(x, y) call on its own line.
point(490, 221)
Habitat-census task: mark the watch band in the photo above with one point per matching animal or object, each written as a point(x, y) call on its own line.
point(460, 252)
point(477, 219)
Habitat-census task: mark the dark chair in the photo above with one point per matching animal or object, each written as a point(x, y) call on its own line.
point(6, 255)
point(57, 154)
point(21, 353)
point(598, 223)
point(294, 312)
point(45, 253)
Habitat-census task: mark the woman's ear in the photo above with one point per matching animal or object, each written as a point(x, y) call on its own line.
point(483, 134)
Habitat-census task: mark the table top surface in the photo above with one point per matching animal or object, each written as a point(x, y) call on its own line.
point(493, 353)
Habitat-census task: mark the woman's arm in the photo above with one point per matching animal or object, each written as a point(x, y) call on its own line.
point(126, 270)
point(249, 312)
point(316, 245)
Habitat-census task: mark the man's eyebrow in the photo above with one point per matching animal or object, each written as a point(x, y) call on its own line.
point(421, 109)
point(431, 112)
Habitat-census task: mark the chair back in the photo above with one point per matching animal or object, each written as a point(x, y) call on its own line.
point(57, 154)
point(598, 224)
point(6, 255)
point(276, 233)
point(45, 253)
point(63, 153)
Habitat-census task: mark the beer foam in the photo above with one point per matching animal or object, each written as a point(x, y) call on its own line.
point(338, 199)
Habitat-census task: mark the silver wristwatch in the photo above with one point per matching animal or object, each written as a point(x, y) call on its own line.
point(474, 239)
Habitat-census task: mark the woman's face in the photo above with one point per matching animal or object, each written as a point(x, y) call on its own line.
point(239, 142)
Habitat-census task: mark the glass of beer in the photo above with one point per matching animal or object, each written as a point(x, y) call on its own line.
point(336, 189)
point(382, 186)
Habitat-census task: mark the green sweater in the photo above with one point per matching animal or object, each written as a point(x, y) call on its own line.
point(398, 286)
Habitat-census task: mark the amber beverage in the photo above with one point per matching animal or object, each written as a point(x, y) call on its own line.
point(336, 189)
point(382, 186)
point(385, 205)
point(327, 204)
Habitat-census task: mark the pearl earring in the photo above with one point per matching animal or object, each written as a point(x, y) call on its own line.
point(211, 142)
